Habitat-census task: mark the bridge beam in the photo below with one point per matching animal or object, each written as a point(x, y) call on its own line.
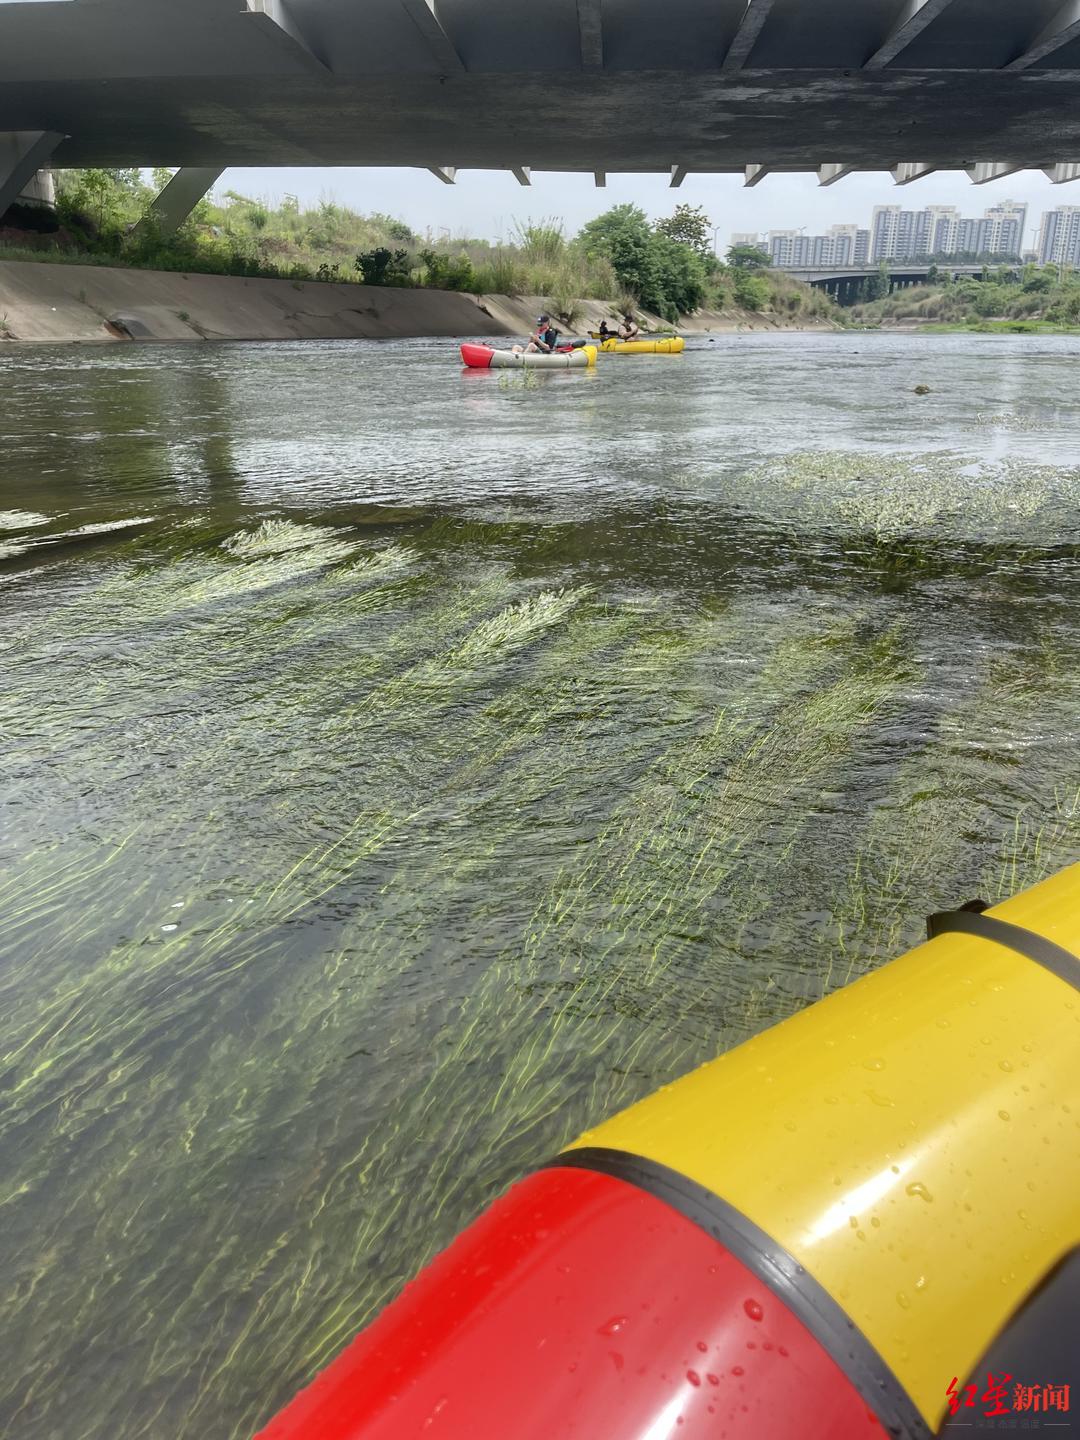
point(914, 17)
point(425, 16)
point(987, 170)
point(1063, 28)
point(755, 174)
point(446, 173)
point(275, 20)
point(591, 33)
point(749, 28)
point(22, 154)
point(830, 174)
point(1063, 172)
point(600, 179)
point(678, 175)
point(522, 174)
point(179, 198)
point(910, 170)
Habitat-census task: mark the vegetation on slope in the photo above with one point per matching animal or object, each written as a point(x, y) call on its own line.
point(1018, 299)
point(667, 267)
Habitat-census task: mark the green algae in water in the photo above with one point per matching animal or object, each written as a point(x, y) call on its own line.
point(348, 871)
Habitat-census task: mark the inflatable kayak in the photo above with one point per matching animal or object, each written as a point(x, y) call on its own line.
point(673, 346)
point(837, 1231)
point(483, 357)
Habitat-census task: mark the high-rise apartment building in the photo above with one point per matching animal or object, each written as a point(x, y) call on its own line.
point(899, 234)
point(1002, 229)
point(840, 245)
point(1059, 237)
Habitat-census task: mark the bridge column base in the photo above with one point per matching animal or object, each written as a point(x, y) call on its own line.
point(22, 154)
point(179, 198)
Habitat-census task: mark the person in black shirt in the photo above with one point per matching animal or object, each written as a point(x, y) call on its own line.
point(543, 340)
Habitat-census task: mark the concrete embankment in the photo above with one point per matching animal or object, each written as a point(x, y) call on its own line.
point(48, 302)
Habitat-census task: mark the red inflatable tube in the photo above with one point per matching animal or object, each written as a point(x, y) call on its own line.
point(581, 1306)
point(477, 357)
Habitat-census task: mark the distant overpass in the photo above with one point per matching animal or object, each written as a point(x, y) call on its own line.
point(746, 86)
point(840, 281)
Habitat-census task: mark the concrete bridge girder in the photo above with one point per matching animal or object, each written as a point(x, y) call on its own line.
point(179, 198)
point(22, 154)
point(389, 82)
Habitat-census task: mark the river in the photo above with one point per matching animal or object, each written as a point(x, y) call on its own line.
point(404, 767)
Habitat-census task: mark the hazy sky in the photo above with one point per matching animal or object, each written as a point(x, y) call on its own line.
point(487, 203)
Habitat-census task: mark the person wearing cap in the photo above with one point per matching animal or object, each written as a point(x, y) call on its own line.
point(628, 327)
point(543, 339)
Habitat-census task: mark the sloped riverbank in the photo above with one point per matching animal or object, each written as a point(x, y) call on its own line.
point(86, 303)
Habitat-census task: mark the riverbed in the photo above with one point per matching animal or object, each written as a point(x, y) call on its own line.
point(404, 767)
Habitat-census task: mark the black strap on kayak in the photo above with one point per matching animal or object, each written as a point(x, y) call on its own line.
point(970, 920)
point(775, 1267)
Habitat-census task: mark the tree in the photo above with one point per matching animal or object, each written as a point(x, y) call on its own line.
point(877, 286)
point(679, 273)
point(748, 257)
point(621, 236)
point(689, 226)
point(384, 267)
point(668, 276)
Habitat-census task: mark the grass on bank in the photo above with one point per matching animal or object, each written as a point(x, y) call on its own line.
point(667, 266)
point(1036, 300)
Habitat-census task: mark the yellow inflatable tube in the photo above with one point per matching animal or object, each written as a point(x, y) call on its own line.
point(674, 346)
point(913, 1141)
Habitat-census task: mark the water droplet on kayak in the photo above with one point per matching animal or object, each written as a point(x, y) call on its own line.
point(613, 1326)
point(918, 1189)
point(903, 1300)
point(693, 1377)
point(737, 1370)
point(874, 1064)
point(754, 1310)
point(1004, 1115)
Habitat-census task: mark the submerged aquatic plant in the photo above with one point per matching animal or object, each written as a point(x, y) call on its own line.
point(21, 519)
point(349, 875)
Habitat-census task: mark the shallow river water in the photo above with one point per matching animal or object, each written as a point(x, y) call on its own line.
point(401, 768)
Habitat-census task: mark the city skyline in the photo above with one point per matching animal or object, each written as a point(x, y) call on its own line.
point(897, 232)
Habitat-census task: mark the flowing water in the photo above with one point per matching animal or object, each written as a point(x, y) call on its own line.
point(402, 768)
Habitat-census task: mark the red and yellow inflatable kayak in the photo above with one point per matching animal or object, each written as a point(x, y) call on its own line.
point(483, 357)
point(841, 1230)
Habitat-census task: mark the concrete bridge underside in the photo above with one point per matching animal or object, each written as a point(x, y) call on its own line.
point(746, 86)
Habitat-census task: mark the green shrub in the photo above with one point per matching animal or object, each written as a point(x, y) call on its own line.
point(751, 290)
point(448, 272)
point(382, 266)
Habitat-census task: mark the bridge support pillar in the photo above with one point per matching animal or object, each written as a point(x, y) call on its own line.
point(179, 198)
point(22, 154)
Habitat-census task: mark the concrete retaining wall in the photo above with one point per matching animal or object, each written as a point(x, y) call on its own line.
point(49, 302)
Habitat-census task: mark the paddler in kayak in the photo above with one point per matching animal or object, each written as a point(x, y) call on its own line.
point(542, 341)
point(628, 327)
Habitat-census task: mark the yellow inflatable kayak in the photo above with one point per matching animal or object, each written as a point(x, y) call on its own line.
point(853, 1227)
point(674, 345)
